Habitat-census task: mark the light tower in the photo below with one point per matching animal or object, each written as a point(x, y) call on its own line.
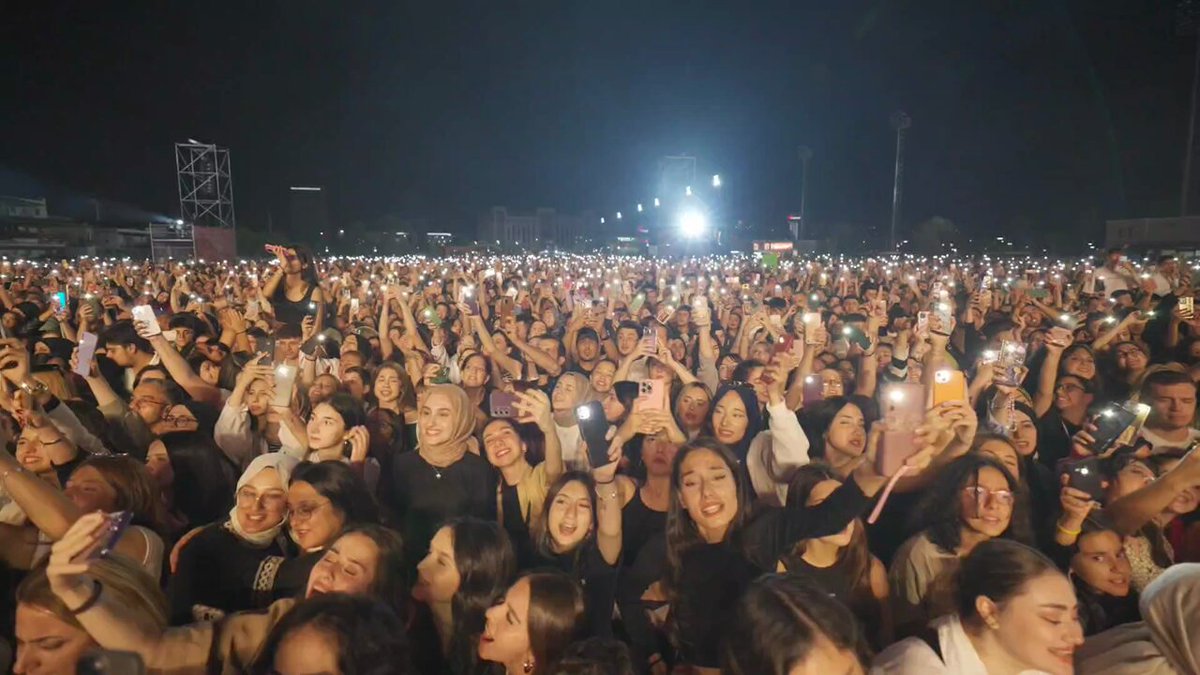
point(900, 122)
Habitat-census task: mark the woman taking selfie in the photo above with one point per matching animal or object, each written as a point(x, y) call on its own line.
point(1014, 612)
point(521, 490)
point(248, 425)
point(367, 561)
point(469, 567)
point(528, 632)
point(231, 565)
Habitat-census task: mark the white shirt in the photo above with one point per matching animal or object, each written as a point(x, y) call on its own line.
point(1159, 444)
point(776, 450)
point(1114, 280)
point(913, 656)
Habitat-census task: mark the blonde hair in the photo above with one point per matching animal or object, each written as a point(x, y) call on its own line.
point(57, 384)
point(123, 581)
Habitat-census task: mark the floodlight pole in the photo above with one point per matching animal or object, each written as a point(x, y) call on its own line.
point(900, 122)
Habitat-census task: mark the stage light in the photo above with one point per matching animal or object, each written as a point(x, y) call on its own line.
point(716, 180)
point(688, 192)
point(178, 221)
point(639, 208)
point(693, 224)
point(656, 203)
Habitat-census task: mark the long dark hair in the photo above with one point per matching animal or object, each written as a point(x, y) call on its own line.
point(370, 638)
point(816, 419)
point(682, 533)
point(854, 558)
point(486, 564)
point(556, 617)
point(940, 516)
point(754, 420)
point(543, 540)
point(204, 478)
point(779, 621)
point(1099, 611)
point(339, 484)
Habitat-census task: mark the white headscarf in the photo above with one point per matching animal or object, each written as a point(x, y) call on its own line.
point(1164, 642)
point(283, 465)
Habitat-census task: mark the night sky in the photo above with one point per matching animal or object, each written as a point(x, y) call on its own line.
point(1026, 115)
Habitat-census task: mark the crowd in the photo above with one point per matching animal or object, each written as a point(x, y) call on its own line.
point(584, 464)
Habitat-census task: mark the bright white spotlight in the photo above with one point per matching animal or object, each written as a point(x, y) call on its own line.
point(716, 180)
point(688, 191)
point(692, 224)
point(178, 221)
point(618, 215)
point(639, 208)
point(657, 203)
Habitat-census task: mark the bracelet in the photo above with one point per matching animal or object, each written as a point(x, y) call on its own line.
point(90, 602)
point(1073, 533)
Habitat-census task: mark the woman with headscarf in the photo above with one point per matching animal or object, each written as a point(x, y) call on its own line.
point(231, 565)
point(770, 454)
point(445, 478)
point(1165, 642)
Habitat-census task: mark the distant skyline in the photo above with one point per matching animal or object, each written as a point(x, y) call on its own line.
point(1039, 116)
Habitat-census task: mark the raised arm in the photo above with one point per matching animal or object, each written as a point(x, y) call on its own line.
point(179, 369)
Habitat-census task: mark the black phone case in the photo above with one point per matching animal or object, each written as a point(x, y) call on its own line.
point(594, 429)
point(1110, 427)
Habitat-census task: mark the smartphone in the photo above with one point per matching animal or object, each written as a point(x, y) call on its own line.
point(505, 307)
point(895, 446)
point(665, 313)
point(948, 385)
point(856, 336)
point(114, 527)
point(923, 323)
point(501, 404)
point(429, 316)
point(472, 303)
point(109, 662)
point(650, 338)
point(902, 405)
point(1009, 362)
point(652, 395)
point(285, 383)
point(593, 427)
point(814, 389)
point(1187, 307)
point(145, 314)
point(1084, 474)
point(60, 302)
point(785, 345)
point(1111, 421)
point(635, 305)
point(267, 345)
point(699, 303)
point(942, 310)
point(812, 324)
point(87, 352)
point(354, 305)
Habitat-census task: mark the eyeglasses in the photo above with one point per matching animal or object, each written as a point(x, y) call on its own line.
point(180, 420)
point(1068, 387)
point(306, 511)
point(983, 496)
point(275, 499)
point(137, 401)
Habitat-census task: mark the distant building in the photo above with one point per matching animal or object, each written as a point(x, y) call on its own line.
point(538, 229)
point(1174, 235)
point(309, 209)
point(20, 207)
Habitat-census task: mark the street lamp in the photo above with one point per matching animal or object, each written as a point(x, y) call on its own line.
point(618, 215)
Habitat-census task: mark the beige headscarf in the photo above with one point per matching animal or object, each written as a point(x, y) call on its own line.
point(583, 394)
point(1163, 642)
point(461, 440)
point(283, 465)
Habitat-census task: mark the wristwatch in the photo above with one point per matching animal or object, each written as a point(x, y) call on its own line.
point(35, 390)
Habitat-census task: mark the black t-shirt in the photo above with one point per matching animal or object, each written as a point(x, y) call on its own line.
point(1054, 438)
point(424, 496)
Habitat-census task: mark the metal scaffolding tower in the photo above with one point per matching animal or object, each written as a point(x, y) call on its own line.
point(205, 185)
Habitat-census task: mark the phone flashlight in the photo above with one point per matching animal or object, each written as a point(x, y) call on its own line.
point(583, 412)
